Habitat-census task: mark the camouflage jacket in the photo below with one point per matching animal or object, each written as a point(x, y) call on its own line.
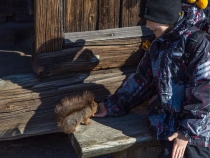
point(181, 89)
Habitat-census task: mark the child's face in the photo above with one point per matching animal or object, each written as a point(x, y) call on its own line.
point(158, 29)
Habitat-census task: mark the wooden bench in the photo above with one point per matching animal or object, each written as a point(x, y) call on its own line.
point(125, 136)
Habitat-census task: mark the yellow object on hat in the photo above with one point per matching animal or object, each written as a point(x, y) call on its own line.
point(202, 4)
point(191, 1)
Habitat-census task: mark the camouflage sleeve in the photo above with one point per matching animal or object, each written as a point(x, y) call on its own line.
point(196, 110)
point(136, 89)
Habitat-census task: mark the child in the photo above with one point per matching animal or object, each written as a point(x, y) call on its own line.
point(175, 73)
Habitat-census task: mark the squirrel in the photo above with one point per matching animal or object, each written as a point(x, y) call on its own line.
point(73, 110)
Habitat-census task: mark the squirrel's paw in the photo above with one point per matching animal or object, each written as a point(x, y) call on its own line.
point(87, 123)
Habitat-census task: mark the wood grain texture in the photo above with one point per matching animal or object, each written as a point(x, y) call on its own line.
point(49, 31)
point(130, 13)
point(80, 15)
point(27, 103)
point(104, 49)
point(114, 134)
point(87, 58)
point(126, 35)
point(109, 13)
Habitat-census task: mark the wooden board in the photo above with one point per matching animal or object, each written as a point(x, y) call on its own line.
point(108, 37)
point(87, 58)
point(49, 31)
point(104, 49)
point(130, 13)
point(80, 15)
point(27, 103)
point(109, 13)
point(113, 134)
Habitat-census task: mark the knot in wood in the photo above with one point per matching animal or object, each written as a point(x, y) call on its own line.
point(8, 107)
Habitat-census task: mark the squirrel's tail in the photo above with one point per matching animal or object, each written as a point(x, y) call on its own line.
point(70, 123)
point(71, 104)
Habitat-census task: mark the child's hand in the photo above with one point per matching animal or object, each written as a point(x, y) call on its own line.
point(180, 143)
point(101, 112)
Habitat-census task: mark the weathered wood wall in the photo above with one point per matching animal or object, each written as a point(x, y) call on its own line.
point(49, 31)
point(88, 15)
point(54, 18)
point(94, 50)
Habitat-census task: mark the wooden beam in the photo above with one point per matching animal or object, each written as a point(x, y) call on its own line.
point(87, 58)
point(27, 104)
point(108, 37)
point(49, 31)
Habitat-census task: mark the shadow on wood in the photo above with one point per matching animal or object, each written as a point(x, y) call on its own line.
point(92, 50)
point(126, 136)
point(27, 103)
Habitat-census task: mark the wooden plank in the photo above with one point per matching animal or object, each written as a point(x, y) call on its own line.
point(73, 15)
point(80, 15)
point(126, 35)
point(87, 58)
point(49, 31)
point(27, 104)
point(111, 134)
point(130, 13)
point(102, 51)
point(109, 14)
point(90, 15)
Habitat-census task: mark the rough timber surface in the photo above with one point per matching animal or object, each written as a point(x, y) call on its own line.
point(27, 103)
point(125, 35)
point(114, 134)
point(94, 50)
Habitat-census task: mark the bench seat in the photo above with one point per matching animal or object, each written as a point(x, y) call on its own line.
point(124, 136)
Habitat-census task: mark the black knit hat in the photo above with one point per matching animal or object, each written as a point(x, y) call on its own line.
point(162, 11)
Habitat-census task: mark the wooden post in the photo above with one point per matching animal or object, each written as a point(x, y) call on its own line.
point(49, 32)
